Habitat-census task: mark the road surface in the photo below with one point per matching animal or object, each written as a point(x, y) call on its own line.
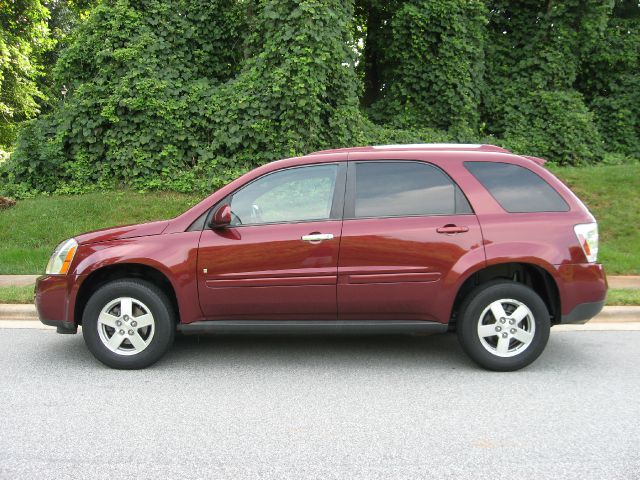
point(320, 407)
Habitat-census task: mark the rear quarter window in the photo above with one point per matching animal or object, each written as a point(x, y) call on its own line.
point(517, 189)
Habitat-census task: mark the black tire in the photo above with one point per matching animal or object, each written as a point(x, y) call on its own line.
point(478, 301)
point(158, 304)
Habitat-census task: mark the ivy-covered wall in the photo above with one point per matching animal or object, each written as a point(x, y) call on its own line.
point(185, 94)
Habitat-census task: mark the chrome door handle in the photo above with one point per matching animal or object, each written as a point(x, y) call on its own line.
point(316, 237)
point(452, 229)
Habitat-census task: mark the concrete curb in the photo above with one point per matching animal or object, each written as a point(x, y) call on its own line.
point(18, 312)
point(624, 282)
point(608, 315)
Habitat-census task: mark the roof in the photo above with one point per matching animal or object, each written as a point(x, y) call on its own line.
point(454, 147)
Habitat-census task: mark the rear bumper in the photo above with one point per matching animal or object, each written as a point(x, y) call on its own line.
point(583, 291)
point(583, 312)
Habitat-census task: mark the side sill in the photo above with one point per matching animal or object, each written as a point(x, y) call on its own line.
point(304, 327)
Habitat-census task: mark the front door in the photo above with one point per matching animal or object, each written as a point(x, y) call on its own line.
point(278, 259)
point(406, 225)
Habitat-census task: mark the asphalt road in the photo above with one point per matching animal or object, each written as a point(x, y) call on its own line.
point(325, 408)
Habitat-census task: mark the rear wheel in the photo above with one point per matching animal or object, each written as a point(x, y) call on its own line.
point(503, 325)
point(128, 324)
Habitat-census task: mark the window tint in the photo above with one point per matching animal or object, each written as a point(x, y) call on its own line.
point(292, 195)
point(517, 189)
point(385, 189)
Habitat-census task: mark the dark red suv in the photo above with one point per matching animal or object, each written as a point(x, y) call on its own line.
point(389, 239)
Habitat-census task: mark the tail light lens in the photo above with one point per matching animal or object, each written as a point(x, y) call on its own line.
point(587, 234)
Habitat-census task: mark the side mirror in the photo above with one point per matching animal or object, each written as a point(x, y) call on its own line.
point(221, 217)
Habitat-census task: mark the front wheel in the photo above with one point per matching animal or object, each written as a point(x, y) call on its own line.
point(128, 324)
point(503, 326)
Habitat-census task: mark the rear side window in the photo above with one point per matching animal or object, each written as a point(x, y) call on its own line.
point(517, 189)
point(390, 189)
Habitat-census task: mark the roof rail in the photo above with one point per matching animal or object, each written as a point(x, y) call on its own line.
point(442, 146)
point(421, 146)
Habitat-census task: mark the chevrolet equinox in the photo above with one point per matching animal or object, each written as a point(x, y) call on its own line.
point(385, 239)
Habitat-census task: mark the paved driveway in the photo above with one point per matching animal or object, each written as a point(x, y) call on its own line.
point(325, 408)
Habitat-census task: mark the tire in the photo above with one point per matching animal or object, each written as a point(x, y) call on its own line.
point(128, 324)
point(503, 343)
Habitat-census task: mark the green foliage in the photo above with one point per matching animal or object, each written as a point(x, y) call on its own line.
point(186, 94)
point(157, 98)
point(437, 62)
point(534, 53)
point(23, 32)
point(553, 125)
point(298, 94)
point(138, 77)
point(611, 83)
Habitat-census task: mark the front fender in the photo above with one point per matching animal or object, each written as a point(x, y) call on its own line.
point(173, 255)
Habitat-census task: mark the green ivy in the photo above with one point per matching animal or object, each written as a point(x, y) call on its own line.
point(436, 58)
point(185, 95)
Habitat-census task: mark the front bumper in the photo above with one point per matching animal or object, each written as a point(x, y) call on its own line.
point(54, 300)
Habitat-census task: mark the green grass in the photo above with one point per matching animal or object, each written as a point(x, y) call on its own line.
point(30, 231)
point(612, 193)
point(16, 294)
point(623, 297)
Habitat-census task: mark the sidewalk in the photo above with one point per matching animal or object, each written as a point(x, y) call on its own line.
point(17, 280)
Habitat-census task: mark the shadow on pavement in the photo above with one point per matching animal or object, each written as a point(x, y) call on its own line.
point(437, 352)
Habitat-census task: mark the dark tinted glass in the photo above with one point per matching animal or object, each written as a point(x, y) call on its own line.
point(517, 189)
point(386, 189)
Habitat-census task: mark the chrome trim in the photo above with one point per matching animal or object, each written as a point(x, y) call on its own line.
point(316, 237)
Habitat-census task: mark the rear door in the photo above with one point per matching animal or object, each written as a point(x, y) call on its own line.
point(406, 225)
point(278, 259)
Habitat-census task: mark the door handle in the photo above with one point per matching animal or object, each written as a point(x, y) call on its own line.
point(452, 229)
point(316, 237)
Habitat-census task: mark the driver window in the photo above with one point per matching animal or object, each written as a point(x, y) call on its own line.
point(291, 195)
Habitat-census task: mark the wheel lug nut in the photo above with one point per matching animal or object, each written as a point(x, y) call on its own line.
point(498, 328)
point(504, 335)
point(513, 330)
point(130, 332)
point(121, 332)
point(512, 321)
point(126, 318)
point(118, 323)
point(134, 323)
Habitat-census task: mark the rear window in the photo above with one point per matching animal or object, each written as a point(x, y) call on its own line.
point(517, 189)
point(405, 188)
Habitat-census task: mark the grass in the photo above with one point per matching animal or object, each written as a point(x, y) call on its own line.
point(612, 193)
point(16, 294)
point(625, 296)
point(30, 230)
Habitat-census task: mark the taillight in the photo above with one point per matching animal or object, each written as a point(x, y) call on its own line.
point(587, 234)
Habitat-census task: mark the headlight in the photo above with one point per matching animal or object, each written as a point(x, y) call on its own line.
point(61, 259)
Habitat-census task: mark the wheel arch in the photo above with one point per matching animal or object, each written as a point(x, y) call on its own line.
point(536, 277)
point(119, 271)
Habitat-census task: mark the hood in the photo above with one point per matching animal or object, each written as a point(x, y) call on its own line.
point(127, 231)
